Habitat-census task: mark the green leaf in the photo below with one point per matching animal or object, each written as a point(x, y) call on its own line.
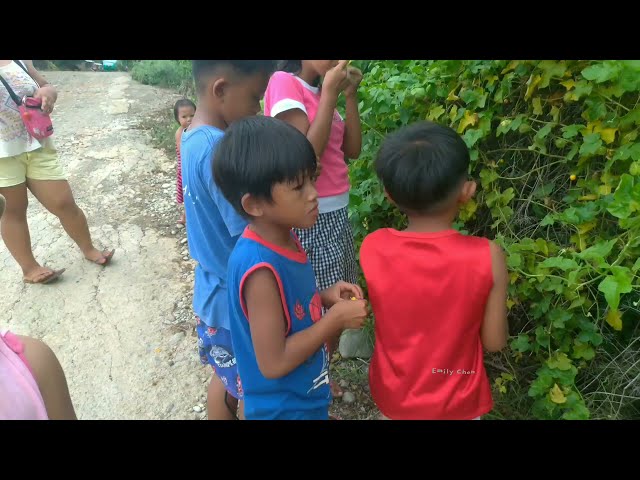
point(601, 72)
point(487, 177)
point(471, 136)
point(592, 142)
point(571, 131)
point(626, 198)
point(559, 317)
point(514, 260)
point(537, 106)
point(542, 337)
point(583, 351)
point(521, 344)
point(596, 109)
point(552, 69)
point(560, 263)
point(598, 251)
point(636, 266)
point(614, 318)
point(541, 385)
point(547, 220)
point(560, 361)
point(436, 112)
point(614, 285)
point(577, 412)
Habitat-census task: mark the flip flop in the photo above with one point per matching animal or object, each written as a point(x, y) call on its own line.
point(107, 256)
point(54, 276)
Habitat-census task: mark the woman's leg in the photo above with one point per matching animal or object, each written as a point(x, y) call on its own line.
point(56, 196)
point(15, 233)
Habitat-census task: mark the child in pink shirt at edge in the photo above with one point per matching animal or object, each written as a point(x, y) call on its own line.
point(294, 95)
point(183, 111)
point(32, 383)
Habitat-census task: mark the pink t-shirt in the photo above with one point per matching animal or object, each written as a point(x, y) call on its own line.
point(20, 397)
point(287, 91)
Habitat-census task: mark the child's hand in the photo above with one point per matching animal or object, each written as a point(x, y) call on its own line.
point(354, 75)
point(350, 313)
point(340, 291)
point(335, 80)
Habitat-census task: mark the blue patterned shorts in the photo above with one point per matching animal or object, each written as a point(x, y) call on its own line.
point(215, 349)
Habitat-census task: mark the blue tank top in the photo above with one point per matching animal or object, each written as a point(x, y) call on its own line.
point(304, 393)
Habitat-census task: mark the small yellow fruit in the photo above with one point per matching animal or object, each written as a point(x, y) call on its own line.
point(572, 178)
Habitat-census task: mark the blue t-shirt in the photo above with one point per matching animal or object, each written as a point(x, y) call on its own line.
point(213, 226)
point(304, 393)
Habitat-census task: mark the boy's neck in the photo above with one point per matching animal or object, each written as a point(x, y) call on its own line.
point(280, 236)
point(206, 116)
point(430, 223)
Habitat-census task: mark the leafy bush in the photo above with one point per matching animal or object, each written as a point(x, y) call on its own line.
point(554, 149)
point(164, 73)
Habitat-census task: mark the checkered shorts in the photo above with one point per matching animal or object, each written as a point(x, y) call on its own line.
point(329, 246)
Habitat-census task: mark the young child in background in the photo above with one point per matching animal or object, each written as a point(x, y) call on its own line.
point(183, 112)
point(438, 296)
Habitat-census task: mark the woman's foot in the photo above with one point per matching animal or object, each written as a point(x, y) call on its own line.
point(100, 258)
point(183, 219)
point(42, 275)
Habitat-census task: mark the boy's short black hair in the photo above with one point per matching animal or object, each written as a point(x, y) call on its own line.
point(258, 152)
point(183, 102)
point(203, 69)
point(421, 165)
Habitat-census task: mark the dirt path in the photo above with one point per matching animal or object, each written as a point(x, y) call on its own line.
point(121, 333)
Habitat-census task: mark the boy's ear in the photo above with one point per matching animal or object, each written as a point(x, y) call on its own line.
point(468, 191)
point(251, 205)
point(219, 87)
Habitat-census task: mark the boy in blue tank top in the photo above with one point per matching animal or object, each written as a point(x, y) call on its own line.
point(266, 170)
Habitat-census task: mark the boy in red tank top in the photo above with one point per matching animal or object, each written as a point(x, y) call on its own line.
point(439, 297)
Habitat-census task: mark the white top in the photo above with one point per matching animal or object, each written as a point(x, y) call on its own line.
point(14, 139)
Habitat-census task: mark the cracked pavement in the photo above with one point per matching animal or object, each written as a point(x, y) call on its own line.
point(114, 329)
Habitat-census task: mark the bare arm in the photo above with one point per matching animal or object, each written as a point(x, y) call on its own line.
point(178, 138)
point(495, 328)
point(335, 81)
point(50, 378)
point(317, 132)
point(46, 92)
point(352, 140)
point(276, 354)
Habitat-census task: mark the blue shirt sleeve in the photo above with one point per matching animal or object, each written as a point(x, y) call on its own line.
point(233, 221)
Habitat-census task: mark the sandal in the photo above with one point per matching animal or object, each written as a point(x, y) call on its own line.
point(47, 277)
point(105, 259)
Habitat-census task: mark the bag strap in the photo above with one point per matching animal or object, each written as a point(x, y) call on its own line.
point(21, 65)
point(14, 97)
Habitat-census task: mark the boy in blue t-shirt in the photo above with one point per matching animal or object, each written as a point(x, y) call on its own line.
point(227, 91)
point(266, 169)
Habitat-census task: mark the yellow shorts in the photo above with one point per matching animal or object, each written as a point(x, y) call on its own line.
point(40, 164)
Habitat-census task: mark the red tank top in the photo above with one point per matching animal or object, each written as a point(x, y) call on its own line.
point(428, 293)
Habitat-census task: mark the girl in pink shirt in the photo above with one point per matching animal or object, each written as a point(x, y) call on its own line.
point(304, 93)
point(32, 383)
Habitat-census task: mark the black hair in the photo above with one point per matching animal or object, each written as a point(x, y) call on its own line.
point(258, 152)
point(291, 66)
point(202, 69)
point(421, 165)
point(183, 102)
point(295, 66)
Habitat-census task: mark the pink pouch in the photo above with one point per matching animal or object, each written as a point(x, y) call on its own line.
point(37, 123)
